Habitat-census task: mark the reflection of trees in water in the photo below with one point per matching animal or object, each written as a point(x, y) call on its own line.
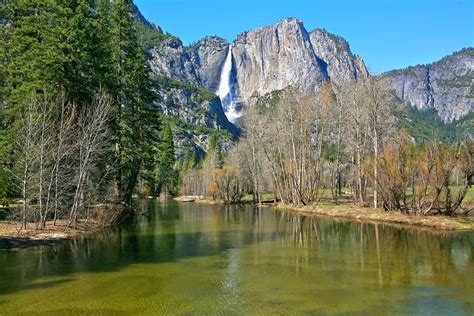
point(397, 255)
point(388, 255)
point(169, 233)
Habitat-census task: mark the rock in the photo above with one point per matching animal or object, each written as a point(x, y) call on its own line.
point(446, 86)
point(275, 57)
point(171, 59)
point(334, 51)
point(200, 63)
point(264, 60)
point(187, 198)
point(196, 111)
point(208, 57)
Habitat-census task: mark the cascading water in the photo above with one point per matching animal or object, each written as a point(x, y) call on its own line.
point(225, 91)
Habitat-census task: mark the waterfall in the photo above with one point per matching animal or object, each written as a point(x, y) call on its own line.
point(225, 91)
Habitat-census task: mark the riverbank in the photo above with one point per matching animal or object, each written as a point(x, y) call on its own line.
point(350, 210)
point(11, 238)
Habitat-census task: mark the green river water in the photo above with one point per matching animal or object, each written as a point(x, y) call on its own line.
point(200, 259)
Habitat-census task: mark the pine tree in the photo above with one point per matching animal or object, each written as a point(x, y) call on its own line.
point(74, 48)
point(32, 66)
point(103, 67)
point(34, 50)
point(166, 173)
point(215, 154)
point(80, 52)
point(134, 119)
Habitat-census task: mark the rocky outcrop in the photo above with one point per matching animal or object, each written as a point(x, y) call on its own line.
point(200, 63)
point(171, 59)
point(193, 106)
point(341, 65)
point(208, 57)
point(275, 57)
point(195, 114)
point(446, 86)
point(284, 54)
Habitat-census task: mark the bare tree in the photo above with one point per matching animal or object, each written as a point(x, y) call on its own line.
point(91, 144)
point(28, 132)
point(350, 97)
point(380, 108)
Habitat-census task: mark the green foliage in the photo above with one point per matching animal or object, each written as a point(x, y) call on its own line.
point(426, 125)
point(215, 151)
point(166, 173)
point(135, 121)
point(268, 101)
point(75, 48)
point(178, 124)
point(34, 49)
point(149, 37)
point(167, 83)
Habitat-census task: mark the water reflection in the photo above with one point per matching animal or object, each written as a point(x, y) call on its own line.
point(243, 254)
point(398, 254)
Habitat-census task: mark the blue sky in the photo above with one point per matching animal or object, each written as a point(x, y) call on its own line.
point(388, 34)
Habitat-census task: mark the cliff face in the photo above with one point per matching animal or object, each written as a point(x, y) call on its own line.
point(275, 57)
point(446, 86)
point(195, 114)
point(263, 60)
point(208, 56)
point(284, 54)
point(171, 59)
point(200, 63)
point(341, 64)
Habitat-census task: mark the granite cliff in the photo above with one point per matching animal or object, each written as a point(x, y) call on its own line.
point(263, 60)
point(273, 57)
point(446, 86)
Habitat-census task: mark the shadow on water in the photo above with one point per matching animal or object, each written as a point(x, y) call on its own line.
point(168, 233)
point(171, 232)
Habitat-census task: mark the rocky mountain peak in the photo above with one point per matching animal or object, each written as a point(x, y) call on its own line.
point(264, 59)
point(334, 50)
point(285, 54)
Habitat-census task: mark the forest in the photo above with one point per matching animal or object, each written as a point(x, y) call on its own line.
point(78, 127)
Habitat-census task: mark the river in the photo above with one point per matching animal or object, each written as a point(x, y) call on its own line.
point(201, 259)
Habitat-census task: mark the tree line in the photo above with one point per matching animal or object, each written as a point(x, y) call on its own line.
point(77, 122)
point(346, 141)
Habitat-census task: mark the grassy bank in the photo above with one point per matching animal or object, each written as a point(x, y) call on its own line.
point(350, 210)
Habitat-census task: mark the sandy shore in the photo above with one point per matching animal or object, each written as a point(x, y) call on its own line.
point(11, 238)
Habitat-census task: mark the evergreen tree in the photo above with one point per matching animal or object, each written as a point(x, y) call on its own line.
point(74, 48)
point(167, 175)
point(32, 66)
point(33, 50)
point(135, 121)
point(215, 154)
point(80, 53)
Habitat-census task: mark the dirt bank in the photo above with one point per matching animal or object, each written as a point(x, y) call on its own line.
point(11, 238)
point(352, 211)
